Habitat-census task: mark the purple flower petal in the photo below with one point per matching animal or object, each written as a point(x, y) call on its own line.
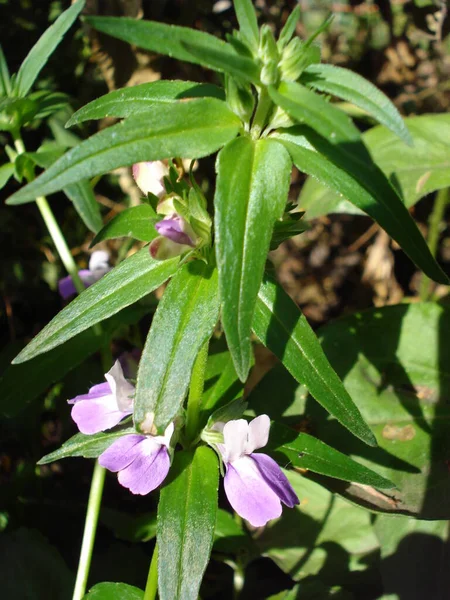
point(276, 479)
point(66, 286)
point(148, 470)
point(121, 453)
point(249, 494)
point(96, 391)
point(93, 416)
point(173, 229)
point(121, 389)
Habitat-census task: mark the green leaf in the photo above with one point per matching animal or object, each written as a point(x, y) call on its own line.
point(114, 591)
point(131, 101)
point(248, 23)
point(42, 50)
point(357, 90)
point(137, 222)
point(322, 534)
point(83, 198)
point(192, 129)
point(251, 192)
point(282, 328)
point(87, 446)
point(6, 172)
point(183, 322)
point(186, 519)
point(307, 452)
point(396, 363)
point(289, 28)
point(127, 283)
point(313, 110)
point(222, 384)
point(5, 83)
point(366, 187)
point(179, 42)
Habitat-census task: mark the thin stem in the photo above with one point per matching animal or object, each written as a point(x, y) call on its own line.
point(263, 110)
point(152, 580)
point(196, 392)
point(90, 526)
point(437, 214)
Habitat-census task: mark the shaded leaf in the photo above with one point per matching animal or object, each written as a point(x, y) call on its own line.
point(114, 591)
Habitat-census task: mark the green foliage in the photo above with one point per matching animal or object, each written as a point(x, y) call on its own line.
point(186, 518)
point(183, 322)
point(137, 222)
point(113, 591)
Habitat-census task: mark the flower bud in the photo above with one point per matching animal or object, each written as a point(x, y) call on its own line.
point(296, 57)
point(149, 177)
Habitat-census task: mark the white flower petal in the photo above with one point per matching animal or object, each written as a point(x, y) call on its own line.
point(235, 435)
point(258, 433)
point(121, 389)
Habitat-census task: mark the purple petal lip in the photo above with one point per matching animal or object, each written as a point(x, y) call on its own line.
point(171, 228)
point(141, 462)
point(99, 414)
point(66, 286)
point(96, 391)
point(276, 479)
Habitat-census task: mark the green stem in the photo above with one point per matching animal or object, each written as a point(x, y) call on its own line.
point(152, 580)
point(90, 527)
point(196, 392)
point(263, 110)
point(437, 214)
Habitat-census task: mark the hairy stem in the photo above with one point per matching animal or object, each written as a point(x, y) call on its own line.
point(90, 527)
point(196, 392)
point(436, 217)
point(152, 580)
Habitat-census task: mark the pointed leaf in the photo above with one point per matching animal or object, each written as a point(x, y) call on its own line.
point(366, 187)
point(307, 452)
point(350, 86)
point(251, 193)
point(289, 28)
point(142, 98)
point(179, 42)
point(127, 283)
point(186, 520)
point(83, 198)
point(114, 591)
point(5, 83)
point(137, 222)
point(183, 322)
point(247, 20)
point(87, 446)
point(282, 328)
point(6, 172)
point(42, 50)
point(191, 129)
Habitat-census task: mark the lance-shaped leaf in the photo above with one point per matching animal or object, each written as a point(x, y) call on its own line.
point(5, 81)
point(42, 50)
point(127, 283)
point(142, 98)
point(357, 90)
point(87, 446)
point(307, 452)
point(113, 591)
point(184, 320)
point(366, 187)
point(190, 129)
point(137, 222)
point(282, 328)
point(186, 519)
point(251, 193)
point(248, 23)
point(182, 43)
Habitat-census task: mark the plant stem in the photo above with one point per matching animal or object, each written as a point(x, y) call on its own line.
point(262, 113)
point(152, 580)
point(437, 214)
point(196, 392)
point(90, 526)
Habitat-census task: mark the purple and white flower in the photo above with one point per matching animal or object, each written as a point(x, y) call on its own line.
point(176, 237)
point(98, 266)
point(254, 484)
point(106, 404)
point(149, 177)
point(141, 461)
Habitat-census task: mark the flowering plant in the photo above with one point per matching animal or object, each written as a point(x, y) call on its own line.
point(166, 429)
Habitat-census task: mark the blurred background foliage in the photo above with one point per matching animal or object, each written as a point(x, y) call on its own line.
point(328, 547)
